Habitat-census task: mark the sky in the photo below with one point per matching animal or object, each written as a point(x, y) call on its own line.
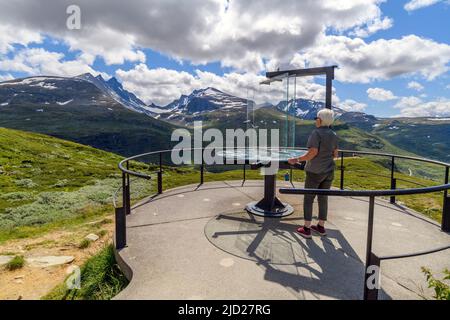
point(393, 56)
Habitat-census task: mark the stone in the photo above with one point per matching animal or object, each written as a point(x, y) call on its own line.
point(227, 262)
point(5, 259)
point(49, 261)
point(92, 237)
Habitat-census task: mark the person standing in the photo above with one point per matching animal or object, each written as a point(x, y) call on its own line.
point(322, 150)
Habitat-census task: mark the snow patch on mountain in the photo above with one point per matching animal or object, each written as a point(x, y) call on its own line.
point(42, 84)
point(438, 119)
point(204, 100)
point(32, 81)
point(305, 108)
point(64, 103)
point(115, 90)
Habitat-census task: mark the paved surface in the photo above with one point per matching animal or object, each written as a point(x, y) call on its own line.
point(198, 243)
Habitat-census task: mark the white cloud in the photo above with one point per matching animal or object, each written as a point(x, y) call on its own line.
point(415, 86)
point(161, 86)
point(104, 43)
point(246, 35)
point(382, 59)
point(373, 27)
point(418, 4)
point(6, 77)
point(352, 105)
point(380, 94)
point(407, 102)
point(10, 35)
point(238, 33)
point(38, 61)
point(415, 107)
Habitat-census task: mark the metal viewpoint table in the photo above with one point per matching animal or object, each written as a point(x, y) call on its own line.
point(268, 161)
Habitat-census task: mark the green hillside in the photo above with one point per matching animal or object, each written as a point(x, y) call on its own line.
point(116, 130)
point(426, 137)
point(45, 181)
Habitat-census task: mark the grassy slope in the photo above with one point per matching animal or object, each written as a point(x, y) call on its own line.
point(48, 182)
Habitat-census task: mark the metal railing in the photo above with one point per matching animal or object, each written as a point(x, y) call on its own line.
point(371, 258)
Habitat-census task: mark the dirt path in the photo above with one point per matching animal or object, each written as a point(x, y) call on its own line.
point(32, 283)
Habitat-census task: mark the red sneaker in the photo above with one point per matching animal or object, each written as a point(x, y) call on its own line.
point(305, 232)
point(320, 230)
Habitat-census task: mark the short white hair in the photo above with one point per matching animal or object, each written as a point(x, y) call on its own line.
point(327, 117)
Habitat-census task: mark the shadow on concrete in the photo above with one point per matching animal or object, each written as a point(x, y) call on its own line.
point(399, 208)
point(313, 268)
point(184, 190)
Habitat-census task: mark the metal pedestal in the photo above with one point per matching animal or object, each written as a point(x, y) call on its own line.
point(270, 206)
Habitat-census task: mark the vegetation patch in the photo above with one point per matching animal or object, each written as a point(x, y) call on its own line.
point(16, 263)
point(101, 279)
point(85, 243)
point(441, 287)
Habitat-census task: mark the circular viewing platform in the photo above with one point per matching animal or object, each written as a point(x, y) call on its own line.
point(199, 242)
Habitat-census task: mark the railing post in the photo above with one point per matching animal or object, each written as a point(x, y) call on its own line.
point(202, 169)
point(244, 173)
point(369, 245)
point(160, 187)
point(446, 206)
point(160, 182)
point(342, 170)
point(127, 200)
point(393, 180)
point(393, 187)
point(373, 278)
point(125, 193)
point(128, 176)
point(121, 230)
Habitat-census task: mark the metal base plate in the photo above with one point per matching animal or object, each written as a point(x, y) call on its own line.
point(277, 212)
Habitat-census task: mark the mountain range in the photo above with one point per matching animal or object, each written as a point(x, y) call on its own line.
point(43, 91)
point(102, 113)
point(84, 109)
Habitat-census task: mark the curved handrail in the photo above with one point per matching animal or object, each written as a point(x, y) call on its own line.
point(355, 193)
point(371, 258)
point(366, 193)
point(369, 153)
point(414, 254)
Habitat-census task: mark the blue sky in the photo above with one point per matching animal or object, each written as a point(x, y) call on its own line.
point(399, 67)
point(432, 22)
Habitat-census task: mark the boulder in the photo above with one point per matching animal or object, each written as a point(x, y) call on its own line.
point(92, 237)
point(49, 261)
point(5, 259)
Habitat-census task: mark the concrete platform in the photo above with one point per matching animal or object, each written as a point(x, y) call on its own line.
point(199, 243)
